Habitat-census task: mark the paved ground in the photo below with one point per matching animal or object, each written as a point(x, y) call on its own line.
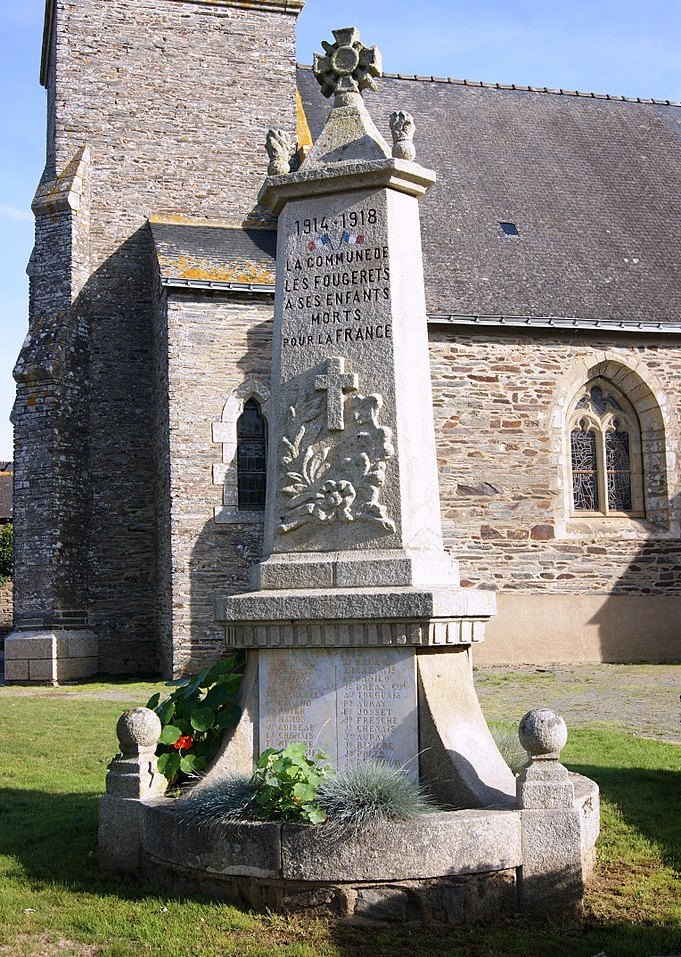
point(640, 699)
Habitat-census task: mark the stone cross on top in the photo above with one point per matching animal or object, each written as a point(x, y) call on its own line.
point(347, 65)
point(335, 382)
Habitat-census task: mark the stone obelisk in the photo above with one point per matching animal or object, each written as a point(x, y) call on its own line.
point(358, 633)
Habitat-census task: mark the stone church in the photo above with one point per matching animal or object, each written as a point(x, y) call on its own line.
point(552, 252)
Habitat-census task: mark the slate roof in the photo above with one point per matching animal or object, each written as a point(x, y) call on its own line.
point(592, 184)
point(6, 487)
point(214, 253)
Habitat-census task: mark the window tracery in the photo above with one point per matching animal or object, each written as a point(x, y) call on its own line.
point(605, 452)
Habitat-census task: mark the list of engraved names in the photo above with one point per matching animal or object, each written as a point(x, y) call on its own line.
point(355, 705)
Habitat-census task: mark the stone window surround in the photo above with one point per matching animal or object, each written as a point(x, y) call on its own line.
point(224, 432)
point(599, 425)
point(641, 388)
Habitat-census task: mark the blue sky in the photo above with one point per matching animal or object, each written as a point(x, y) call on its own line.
point(626, 47)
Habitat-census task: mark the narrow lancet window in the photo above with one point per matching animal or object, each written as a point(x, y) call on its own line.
point(584, 469)
point(251, 458)
point(618, 467)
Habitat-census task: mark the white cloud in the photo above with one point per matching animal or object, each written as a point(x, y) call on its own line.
point(12, 212)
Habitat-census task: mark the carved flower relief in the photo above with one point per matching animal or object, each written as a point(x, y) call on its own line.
point(357, 463)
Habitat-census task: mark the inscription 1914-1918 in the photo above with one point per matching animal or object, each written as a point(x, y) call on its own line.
point(336, 275)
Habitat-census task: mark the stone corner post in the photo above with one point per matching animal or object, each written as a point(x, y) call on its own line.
point(552, 872)
point(133, 778)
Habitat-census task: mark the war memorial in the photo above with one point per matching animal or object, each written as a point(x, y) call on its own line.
point(357, 632)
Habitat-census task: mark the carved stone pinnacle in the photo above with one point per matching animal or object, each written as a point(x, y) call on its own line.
point(402, 127)
point(347, 66)
point(279, 146)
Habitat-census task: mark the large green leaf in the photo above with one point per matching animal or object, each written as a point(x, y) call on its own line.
point(169, 764)
point(166, 711)
point(170, 734)
point(152, 703)
point(315, 814)
point(304, 793)
point(188, 763)
point(228, 716)
point(195, 684)
point(218, 695)
point(202, 719)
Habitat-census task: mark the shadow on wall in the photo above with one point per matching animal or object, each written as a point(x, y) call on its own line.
point(631, 627)
point(222, 554)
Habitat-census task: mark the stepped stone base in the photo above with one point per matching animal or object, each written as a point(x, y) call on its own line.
point(50, 657)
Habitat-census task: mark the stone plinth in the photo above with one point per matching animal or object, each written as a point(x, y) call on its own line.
point(50, 657)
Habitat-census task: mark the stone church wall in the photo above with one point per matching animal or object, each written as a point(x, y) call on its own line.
point(155, 90)
point(569, 589)
point(600, 590)
point(214, 346)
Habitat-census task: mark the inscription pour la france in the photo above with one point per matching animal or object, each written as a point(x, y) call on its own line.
point(337, 271)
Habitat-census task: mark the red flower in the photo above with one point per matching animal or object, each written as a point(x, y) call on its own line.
point(184, 743)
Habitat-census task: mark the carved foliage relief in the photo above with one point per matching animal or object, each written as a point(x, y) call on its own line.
point(335, 467)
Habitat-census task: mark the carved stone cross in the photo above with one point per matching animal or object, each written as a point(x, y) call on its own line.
point(347, 66)
point(335, 382)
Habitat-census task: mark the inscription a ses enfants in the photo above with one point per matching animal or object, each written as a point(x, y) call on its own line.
point(336, 281)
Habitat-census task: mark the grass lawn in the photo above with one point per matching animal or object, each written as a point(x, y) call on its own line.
point(53, 756)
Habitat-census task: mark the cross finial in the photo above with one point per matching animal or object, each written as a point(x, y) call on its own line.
point(335, 382)
point(347, 66)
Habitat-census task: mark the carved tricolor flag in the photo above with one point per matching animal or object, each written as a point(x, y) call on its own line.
point(351, 239)
point(320, 242)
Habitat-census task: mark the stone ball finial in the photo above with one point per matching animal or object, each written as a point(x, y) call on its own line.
point(139, 728)
point(347, 66)
point(542, 733)
point(402, 127)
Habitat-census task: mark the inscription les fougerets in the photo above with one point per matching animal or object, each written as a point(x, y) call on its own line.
point(335, 276)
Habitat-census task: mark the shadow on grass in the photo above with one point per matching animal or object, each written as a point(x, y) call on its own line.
point(648, 800)
point(53, 837)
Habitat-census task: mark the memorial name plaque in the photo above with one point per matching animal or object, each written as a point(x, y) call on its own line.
point(352, 704)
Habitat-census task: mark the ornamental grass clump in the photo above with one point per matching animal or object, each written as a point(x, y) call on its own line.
point(506, 739)
point(225, 800)
point(373, 792)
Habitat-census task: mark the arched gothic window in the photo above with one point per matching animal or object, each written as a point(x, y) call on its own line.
point(605, 452)
point(251, 458)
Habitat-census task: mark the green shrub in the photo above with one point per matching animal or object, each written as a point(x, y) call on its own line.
point(286, 783)
point(6, 548)
point(194, 718)
point(371, 793)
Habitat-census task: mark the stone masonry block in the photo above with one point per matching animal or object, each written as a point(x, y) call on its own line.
point(24, 645)
point(16, 670)
point(384, 904)
point(41, 669)
point(70, 669)
point(82, 644)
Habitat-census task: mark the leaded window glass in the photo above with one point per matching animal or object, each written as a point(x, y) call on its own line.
point(251, 458)
point(605, 452)
point(618, 467)
point(584, 470)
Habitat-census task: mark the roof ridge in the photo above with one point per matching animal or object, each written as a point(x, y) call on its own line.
point(519, 88)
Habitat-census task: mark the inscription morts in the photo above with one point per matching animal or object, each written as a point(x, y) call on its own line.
point(336, 276)
point(353, 704)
